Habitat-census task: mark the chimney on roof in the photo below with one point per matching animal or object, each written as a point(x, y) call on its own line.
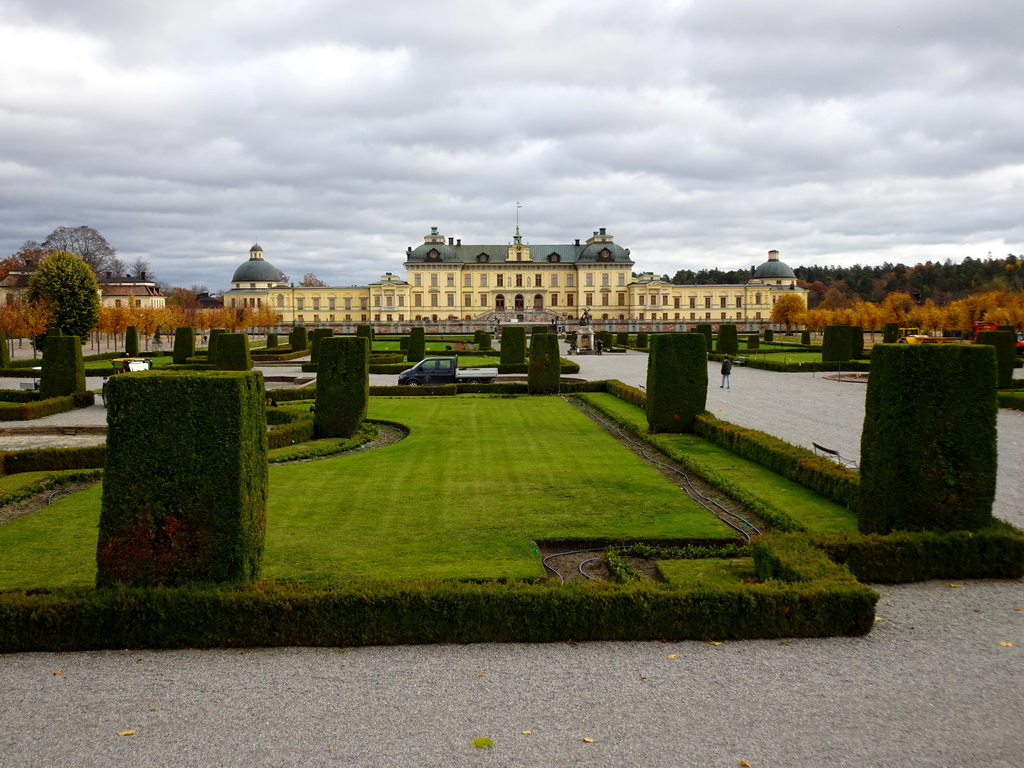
point(142, 274)
point(451, 241)
point(459, 241)
point(577, 241)
point(110, 275)
point(408, 251)
point(602, 230)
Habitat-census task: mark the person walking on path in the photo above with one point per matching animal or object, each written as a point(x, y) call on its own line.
point(726, 372)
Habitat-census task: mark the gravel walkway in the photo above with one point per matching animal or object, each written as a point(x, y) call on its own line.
point(930, 686)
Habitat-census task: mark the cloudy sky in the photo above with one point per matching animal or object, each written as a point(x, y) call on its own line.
point(337, 132)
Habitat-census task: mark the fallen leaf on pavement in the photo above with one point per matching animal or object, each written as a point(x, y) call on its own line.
point(588, 740)
point(126, 733)
point(483, 743)
point(1006, 645)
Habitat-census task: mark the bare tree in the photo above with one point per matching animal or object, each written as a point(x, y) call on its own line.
point(86, 243)
point(141, 268)
point(309, 280)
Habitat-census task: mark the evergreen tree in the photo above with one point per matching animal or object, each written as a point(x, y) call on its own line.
point(69, 286)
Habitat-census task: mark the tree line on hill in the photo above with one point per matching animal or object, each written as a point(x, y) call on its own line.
point(835, 287)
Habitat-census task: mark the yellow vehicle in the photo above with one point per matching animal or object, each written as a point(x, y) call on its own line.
point(914, 336)
point(126, 365)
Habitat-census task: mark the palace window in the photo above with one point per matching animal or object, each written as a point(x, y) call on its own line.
point(739, 302)
point(553, 283)
point(467, 281)
point(417, 280)
point(316, 304)
point(622, 278)
point(433, 279)
point(590, 279)
point(348, 304)
point(693, 302)
point(467, 299)
point(501, 281)
point(589, 299)
point(570, 281)
point(451, 280)
point(299, 304)
point(483, 281)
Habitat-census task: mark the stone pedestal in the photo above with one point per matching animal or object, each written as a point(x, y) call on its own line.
point(585, 340)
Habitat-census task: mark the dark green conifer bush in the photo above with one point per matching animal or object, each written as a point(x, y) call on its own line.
point(184, 345)
point(63, 371)
point(805, 338)
point(728, 342)
point(856, 342)
point(185, 483)
point(641, 341)
point(513, 345)
point(272, 340)
point(131, 341)
point(836, 344)
point(211, 348)
point(705, 329)
point(314, 337)
point(417, 344)
point(1005, 344)
point(543, 378)
point(769, 335)
point(298, 339)
point(928, 448)
point(890, 333)
point(342, 386)
point(677, 381)
point(233, 352)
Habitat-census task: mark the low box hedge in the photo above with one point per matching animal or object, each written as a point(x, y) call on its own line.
point(994, 552)
point(48, 459)
point(37, 408)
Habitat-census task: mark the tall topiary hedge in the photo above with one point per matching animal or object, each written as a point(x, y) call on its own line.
point(607, 338)
point(928, 449)
point(705, 329)
point(641, 341)
point(63, 370)
point(211, 347)
point(728, 341)
point(856, 342)
point(298, 339)
point(513, 345)
point(484, 341)
point(233, 352)
point(1005, 344)
point(184, 345)
point(272, 340)
point(185, 480)
point(805, 338)
point(417, 344)
point(5, 354)
point(314, 337)
point(890, 333)
point(366, 332)
point(342, 385)
point(545, 363)
point(677, 381)
point(534, 330)
point(769, 335)
point(836, 344)
point(753, 342)
point(622, 339)
point(131, 341)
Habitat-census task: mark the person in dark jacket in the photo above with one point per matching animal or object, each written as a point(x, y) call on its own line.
point(726, 372)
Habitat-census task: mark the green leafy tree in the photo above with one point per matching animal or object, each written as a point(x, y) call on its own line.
point(67, 283)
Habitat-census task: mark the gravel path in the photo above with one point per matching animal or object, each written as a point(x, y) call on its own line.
point(930, 686)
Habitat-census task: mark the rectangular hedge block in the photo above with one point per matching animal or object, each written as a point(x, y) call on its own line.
point(185, 479)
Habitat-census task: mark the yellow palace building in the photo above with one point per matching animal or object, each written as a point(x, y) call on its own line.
point(454, 287)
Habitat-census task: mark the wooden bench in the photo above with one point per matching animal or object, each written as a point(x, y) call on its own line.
point(821, 450)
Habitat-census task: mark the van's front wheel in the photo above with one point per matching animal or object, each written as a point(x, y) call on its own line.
point(413, 382)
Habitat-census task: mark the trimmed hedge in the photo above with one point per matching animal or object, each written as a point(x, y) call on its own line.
point(856, 342)
point(513, 345)
point(769, 335)
point(38, 408)
point(994, 552)
point(677, 381)
point(314, 337)
point(705, 329)
point(58, 480)
point(545, 364)
point(928, 447)
point(272, 340)
point(298, 339)
point(817, 473)
point(622, 339)
point(366, 332)
point(1005, 344)
point(211, 347)
point(890, 333)
point(728, 341)
point(793, 558)
point(50, 459)
point(426, 612)
point(753, 342)
point(5, 355)
point(185, 484)
point(343, 386)
point(1013, 399)
point(641, 341)
point(836, 344)
point(233, 352)
point(805, 338)
point(184, 345)
point(131, 341)
point(63, 371)
point(417, 345)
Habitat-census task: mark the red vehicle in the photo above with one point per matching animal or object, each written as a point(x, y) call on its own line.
point(978, 326)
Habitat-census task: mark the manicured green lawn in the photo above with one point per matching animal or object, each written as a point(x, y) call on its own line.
point(815, 512)
point(465, 496)
point(706, 572)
